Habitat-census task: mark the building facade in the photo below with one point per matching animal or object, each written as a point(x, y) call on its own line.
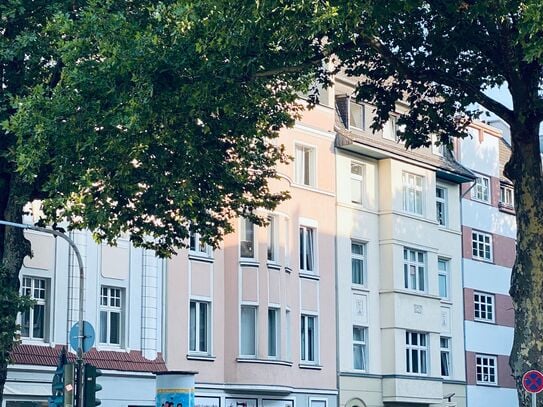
point(400, 314)
point(123, 289)
point(256, 319)
point(489, 233)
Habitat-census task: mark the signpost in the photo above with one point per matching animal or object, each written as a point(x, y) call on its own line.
point(532, 381)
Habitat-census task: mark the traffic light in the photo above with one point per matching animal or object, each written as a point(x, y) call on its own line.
point(63, 386)
point(91, 387)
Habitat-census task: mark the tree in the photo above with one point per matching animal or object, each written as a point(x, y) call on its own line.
point(114, 116)
point(109, 105)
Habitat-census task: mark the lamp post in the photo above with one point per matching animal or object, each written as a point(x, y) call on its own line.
point(81, 292)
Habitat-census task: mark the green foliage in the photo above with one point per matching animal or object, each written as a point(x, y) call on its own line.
point(11, 303)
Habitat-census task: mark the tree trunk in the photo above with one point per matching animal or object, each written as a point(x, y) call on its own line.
point(13, 249)
point(524, 169)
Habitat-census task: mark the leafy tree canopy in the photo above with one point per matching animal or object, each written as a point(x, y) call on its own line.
point(147, 116)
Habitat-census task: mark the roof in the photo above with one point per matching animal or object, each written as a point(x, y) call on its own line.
point(132, 361)
point(375, 145)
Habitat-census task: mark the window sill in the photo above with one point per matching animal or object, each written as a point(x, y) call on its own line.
point(414, 293)
point(273, 265)
point(114, 348)
point(446, 301)
point(200, 257)
point(264, 361)
point(288, 269)
point(244, 262)
point(481, 201)
point(503, 207)
point(309, 366)
point(484, 321)
point(35, 341)
point(309, 276)
point(487, 384)
point(360, 287)
point(491, 261)
point(202, 357)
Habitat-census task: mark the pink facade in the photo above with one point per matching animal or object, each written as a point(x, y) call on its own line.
point(268, 293)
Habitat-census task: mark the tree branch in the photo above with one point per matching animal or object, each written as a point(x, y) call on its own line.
point(442, 78)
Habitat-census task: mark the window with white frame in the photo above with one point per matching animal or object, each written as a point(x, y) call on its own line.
point(486, 369)
point(507, 196)
point(288, 335)
point(199, 329)
point(358, 259)
point(273, 332)
point(445, 353)
point(248, 331)
point(357, 182)
point(443, 277)
point(441, 206)
point(272, 252)
point(481, 190)
point(412, 193)
point(110, 315)
point(305, 168)
point(483, 307)
point(197, 245)
point(287, 243)
point(414, 269)
point(359, 348)
point(33, 319)
point(481, 244)
point(308, 339)
point(307, 249)
point(416, 352)
point(247, 239)
point(357, 115)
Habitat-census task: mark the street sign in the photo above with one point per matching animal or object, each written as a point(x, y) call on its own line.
point(88, 336)
point(532, 381)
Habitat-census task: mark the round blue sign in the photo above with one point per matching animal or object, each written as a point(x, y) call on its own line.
point(532, 381)
point(88, 336)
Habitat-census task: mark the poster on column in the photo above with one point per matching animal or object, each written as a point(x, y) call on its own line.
point(174, 399)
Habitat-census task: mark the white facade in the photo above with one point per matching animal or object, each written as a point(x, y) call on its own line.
point(123, 291)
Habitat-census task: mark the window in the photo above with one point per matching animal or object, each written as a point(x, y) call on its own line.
point(416, 352)
point(357, 115)
point(273, 332)
point(199, 327)
point(483, 307)
point(272, 238)
point(248, 331)
point(308, 338)
point(358, 257)
point(397, 129)
point(305, 165)
point(481, 190)
point(412, 193)
point(445, 345)
point(357, 182)
point(307, 249)
point(287, 243)
point(481, 246)
point(359, 348)
point(441, 206)
point(486, 369)
point(247, 239)
point(414, 269)
point(33, 319)
point(507, 197)
point(443, 276)
point(196, 245)
point(288, 339)
point(110, 315)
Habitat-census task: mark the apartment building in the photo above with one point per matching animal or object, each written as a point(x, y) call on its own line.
point(122, 300)
point(256, 319)
point(399, 258)
point(489, 232)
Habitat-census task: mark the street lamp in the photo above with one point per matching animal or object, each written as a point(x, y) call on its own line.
point(81, 293)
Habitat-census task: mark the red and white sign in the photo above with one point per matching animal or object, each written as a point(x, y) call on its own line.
point(532, 381)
